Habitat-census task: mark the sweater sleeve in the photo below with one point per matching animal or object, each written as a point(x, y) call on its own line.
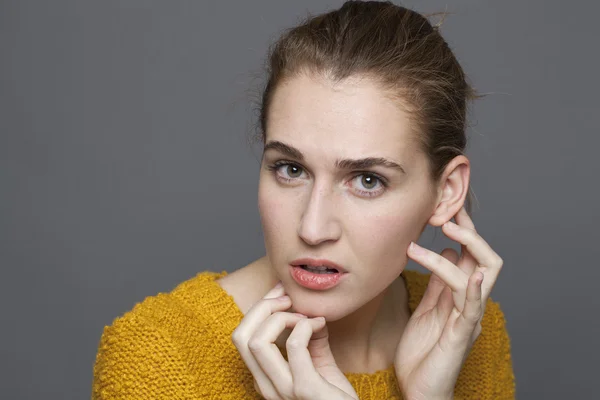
point(136, 359)
point(505, 378)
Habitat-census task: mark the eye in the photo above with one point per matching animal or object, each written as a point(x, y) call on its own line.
point(369, 181)
point(293, 171)
point(286, 171)
point(373, 184)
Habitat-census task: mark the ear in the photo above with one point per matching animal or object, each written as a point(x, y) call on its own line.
point(452, 190)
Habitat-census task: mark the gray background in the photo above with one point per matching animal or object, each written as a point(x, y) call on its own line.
point(125, 169)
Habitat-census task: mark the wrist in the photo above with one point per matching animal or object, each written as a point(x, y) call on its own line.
point(424, 396)
point(409, 394)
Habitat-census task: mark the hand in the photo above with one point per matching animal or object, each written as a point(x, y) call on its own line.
point(443, 328)
point(311, 373)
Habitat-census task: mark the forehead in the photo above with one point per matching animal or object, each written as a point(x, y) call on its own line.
point(352, 118)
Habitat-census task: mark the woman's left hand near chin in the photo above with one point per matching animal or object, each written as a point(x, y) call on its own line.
point(443, 328)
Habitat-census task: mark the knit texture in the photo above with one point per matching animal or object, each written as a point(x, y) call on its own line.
point(178, 345)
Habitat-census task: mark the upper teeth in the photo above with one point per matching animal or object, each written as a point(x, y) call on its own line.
point(319, 267)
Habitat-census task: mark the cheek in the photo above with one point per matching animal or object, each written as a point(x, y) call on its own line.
point(388, 236)
point(381, 240)
point(275, 213)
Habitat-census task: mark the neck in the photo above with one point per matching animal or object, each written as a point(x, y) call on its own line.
point(366, 340)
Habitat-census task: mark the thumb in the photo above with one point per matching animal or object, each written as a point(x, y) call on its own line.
point(327, 368)
point(319, 349)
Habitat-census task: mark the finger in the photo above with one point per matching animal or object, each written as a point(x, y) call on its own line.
point(301, 363)
point(318, 347)
point(267, 354)
point(473, 308)
point(446, 303)
point(436, 285)
point(476, 245)
point(458, 336)
point(467, 262)
point(450, 255)
point(257, 314)
point(463, 218)
point(448, 272)
point(488, 261)
point(274, 300)
point(277, 291)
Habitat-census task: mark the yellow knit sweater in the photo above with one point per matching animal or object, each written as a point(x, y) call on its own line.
point(178, 345)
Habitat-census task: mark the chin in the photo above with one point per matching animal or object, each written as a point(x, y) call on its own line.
point(313, 306)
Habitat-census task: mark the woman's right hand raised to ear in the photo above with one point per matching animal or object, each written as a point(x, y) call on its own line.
point(311, 372)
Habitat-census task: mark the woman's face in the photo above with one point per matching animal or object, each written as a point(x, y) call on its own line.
point(361, 217)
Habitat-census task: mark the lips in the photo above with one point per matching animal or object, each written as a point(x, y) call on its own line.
point(314, 262)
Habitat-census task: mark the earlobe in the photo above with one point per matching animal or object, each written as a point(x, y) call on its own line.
point(452, 189)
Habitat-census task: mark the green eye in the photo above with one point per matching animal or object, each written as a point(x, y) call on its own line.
point(369, 181)
point(368, 185)
point(293, 171)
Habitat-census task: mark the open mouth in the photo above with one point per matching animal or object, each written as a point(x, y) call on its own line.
point(318, 275)
point(319, 270)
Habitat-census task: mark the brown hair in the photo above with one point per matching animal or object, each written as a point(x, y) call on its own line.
point(398, 48)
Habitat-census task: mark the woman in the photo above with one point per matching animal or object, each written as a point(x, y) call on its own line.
point(363, 126)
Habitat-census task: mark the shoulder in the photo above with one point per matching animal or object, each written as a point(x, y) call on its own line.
point(193, 300)
point(153, 343)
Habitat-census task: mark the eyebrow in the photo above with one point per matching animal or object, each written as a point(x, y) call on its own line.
point(362, 163)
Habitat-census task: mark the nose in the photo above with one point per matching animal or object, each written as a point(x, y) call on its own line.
point(319, 223)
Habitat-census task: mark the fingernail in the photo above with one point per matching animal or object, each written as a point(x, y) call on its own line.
point(416, 249)
point(300, 315)
point(283, 298)
point(279, 284)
